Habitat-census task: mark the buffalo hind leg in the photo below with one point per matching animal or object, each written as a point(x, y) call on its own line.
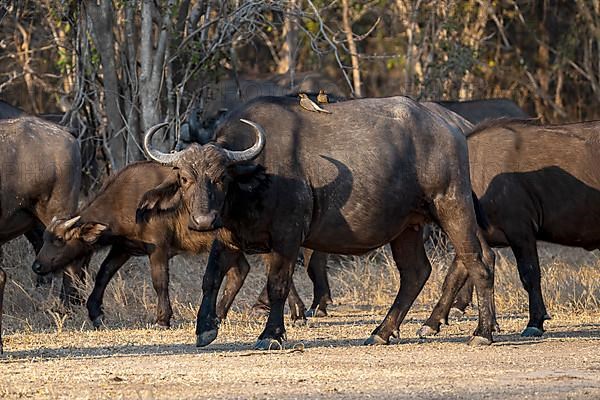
point(464, 297)
point(111, 264)
point(159, 271)
point(525, 250)
point(317, 272)
point(297, 308)
point(473, 258)
point(411, 260)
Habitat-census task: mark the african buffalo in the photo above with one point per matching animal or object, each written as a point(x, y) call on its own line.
point(109, 220)
point(372, 172)
point(39, 179)
point(535, 182)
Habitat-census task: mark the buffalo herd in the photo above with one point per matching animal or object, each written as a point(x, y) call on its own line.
point(269, 177)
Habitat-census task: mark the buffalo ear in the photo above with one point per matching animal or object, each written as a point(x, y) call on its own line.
point(163, 198)
point(90, 232)
point(248, 177)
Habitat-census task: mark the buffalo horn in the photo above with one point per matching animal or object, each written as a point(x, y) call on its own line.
point(159, 156)
point(252, 152)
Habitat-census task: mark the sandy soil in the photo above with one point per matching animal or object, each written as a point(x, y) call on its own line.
point(324, 359)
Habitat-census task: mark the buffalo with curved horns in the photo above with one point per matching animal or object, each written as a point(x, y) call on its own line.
point(373, 172)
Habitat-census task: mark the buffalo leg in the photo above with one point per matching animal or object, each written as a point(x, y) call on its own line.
point(473, 258)
point(411, 260)
point(317, 272)
point(464, 297)
point(111, 264)
point(280, 271)
point(234, 281)
point(297, 307)
point(220, 261)
point(159, 271)
point(35, 236)
point(262, 303)
point(525, 251)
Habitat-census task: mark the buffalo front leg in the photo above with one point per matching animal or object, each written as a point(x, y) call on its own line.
point(411, 260)
point(280, 270)
point(317, 272)
point(111, 264)
point(473, 256)
point(221, 259)
point(233, 284)
point(35, 236)
point(525, 251)
point(159, 271)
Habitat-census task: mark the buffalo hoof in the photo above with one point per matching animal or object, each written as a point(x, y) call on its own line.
point(426, 331)
point(206, 338)
point(375, 340)
point(532, 331)
point(98, 322)
point(315, 313)
point(268, 344)
point(479, 341)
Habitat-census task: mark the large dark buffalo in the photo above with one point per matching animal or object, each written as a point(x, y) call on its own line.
point(534, 183)
point(372, 172)
point(109, 220)
point(471, 111)
point(39, 179)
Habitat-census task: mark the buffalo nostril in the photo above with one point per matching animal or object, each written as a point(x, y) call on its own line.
point(37, 267)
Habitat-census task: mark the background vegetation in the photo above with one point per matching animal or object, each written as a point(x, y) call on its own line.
point(117, 67)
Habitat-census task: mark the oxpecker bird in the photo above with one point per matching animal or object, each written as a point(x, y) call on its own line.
point(322, 97)
point(309, 105)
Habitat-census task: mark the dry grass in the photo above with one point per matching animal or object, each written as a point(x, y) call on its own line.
point(571, 283)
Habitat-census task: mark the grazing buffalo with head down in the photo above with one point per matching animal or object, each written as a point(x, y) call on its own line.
point(39, 179)
point(477, 111)
point(109, 220)
point(535, 182)
point(372, 172)
point(229, 94)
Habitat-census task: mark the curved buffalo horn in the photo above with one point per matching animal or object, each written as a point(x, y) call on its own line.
point(153, 154)
point(252, 152)
point(69, 223)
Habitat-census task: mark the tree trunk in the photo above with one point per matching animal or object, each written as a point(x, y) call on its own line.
point(352, 47)
point(101, 18)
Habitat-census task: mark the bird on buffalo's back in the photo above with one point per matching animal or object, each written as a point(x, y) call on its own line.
point(322, 97)
point(308, 104)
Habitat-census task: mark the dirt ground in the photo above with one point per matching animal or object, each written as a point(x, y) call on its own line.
point(324, 359)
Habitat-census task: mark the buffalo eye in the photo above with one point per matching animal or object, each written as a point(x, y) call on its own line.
point(57, 242)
